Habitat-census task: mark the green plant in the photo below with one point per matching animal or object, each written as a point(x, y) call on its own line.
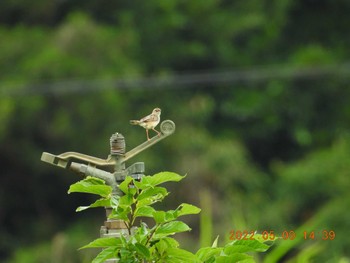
point(155, 244)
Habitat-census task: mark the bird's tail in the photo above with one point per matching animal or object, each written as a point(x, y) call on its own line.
point(134, 122)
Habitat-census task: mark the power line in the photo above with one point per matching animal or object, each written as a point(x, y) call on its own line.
point(176, 80)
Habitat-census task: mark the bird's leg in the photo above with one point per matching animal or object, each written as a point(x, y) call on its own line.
point(147, 134)
point(156, 131)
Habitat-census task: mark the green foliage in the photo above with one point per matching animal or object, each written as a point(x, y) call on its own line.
point(91, 185)
point(326, 173)
point(154, 244)
point(235, 251)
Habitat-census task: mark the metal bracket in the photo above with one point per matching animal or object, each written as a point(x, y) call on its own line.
point(63, 160)
point(167, 128)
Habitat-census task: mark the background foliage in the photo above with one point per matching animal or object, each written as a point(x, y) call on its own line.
point(262, 131)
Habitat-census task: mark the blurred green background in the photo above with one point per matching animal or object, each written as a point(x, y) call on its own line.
point(259, 92)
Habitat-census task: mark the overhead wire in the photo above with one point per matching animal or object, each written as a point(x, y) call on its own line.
point(174, 81)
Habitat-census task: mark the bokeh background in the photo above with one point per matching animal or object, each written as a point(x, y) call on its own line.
point(259, 91)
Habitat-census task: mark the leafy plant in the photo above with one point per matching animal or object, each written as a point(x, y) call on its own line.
point(155, 244)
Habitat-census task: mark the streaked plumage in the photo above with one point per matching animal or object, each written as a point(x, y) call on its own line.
point(149, 122)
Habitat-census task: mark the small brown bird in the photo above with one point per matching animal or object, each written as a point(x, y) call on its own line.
point(149, 122)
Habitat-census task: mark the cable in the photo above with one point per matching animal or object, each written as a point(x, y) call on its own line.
point(175, 81)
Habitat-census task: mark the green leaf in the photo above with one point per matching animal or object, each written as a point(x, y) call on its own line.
point(170, 215)
point(156, 192)
point(160, 178)
point(159, 216)
point(121, 206)
point(105, 254)
point(115, 200)
point(215, 243)
point(146, 211)
point(162, 216)
point(120, 213)
point(161, 247)
point(171, 242)
point(103, 242)
point(140, 185)
point(243, 246)
point(103, 202)
point(177, 255)
point(183, 209)
point(142, 232)
point(124, 186)
point(126, 255)
point(187, 209)
point(261, 239)
point(126, 200)
point(150, 200)
point(91, 185)
point(142, 250)
point(207, 253)
point(171, 228)
point(164, 244)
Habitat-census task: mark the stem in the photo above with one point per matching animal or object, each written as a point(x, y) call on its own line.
point(128, 227)
point(152, 233)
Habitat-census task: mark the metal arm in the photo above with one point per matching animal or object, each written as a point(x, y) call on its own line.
point(63, 160)
point(166, 127)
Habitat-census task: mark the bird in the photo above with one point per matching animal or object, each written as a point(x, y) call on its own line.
point(149, 122)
